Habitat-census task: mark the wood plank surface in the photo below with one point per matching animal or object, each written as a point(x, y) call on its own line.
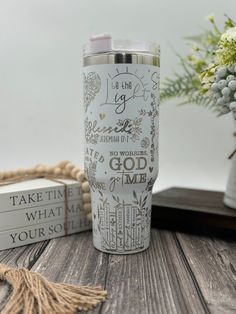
point(74, 260)
point(179, 273)
point(213, 263)
point(24, 256)
point(155, 281)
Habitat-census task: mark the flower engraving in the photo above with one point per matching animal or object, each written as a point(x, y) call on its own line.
point(92, 85)
point(136, 129)
point(134, 126)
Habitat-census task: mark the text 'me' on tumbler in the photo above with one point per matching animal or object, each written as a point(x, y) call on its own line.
point(121, 102)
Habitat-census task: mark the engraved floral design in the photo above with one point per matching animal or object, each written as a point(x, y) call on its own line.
point(140, 202)
point(92, 85)
point(118, 201)
point(103, 205)
point(152, 114)
point(145, 142)
point(150, 184)
point(134, 127)
point(91, 172)
point(126, 122)
point(143, 210)
point(90, 137)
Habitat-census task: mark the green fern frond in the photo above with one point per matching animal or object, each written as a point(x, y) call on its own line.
point(199, 100)
point(207, 40)
point(179, 86)
point(186, 87)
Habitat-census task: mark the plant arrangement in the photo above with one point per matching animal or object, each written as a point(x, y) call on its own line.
point(208, 75)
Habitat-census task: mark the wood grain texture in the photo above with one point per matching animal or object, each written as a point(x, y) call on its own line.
point(155, 281)
point(24, 256)
point(73, 260)
point(213, 263)
point(179, 273)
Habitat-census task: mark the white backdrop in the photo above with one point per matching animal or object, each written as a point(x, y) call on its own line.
point(41, 83)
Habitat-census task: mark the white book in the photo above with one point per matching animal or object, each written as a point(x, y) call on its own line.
point(40, 214)
point(38, 192)
point(40, 232)
point(35, 210)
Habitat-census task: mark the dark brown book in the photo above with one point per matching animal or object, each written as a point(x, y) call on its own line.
point(192, 210)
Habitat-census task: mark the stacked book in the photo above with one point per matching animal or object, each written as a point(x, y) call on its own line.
point(40, 209)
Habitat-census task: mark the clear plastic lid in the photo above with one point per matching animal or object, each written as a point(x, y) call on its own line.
point(103, 43)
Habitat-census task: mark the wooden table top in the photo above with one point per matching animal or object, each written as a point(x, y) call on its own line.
point(179, 273)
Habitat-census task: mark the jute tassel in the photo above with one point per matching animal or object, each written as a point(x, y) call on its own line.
point(34, 294)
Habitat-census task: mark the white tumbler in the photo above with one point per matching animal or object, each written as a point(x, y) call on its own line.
point(121, 103)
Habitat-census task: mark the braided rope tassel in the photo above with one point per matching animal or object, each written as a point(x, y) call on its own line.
point(31, 292)
point(34, 294)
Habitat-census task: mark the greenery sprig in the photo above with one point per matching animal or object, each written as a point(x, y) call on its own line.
point(209, 50)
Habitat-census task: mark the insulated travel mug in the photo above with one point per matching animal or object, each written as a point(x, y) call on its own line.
point(121, 101)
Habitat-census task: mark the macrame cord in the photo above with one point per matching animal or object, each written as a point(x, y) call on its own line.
point(31, 292)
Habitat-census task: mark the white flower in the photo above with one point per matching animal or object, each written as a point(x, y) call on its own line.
point(229, 35)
